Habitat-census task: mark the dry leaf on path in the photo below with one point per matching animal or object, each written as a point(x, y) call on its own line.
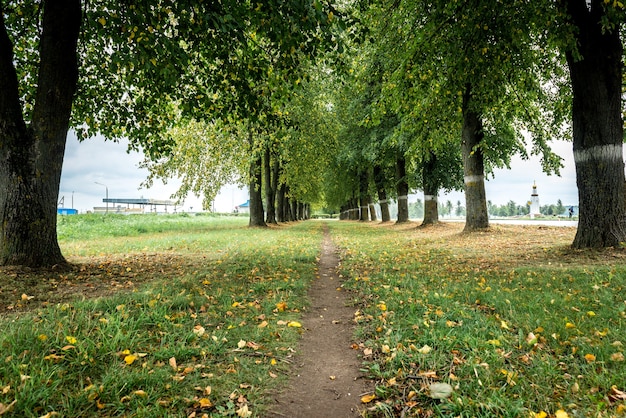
point(368, 398)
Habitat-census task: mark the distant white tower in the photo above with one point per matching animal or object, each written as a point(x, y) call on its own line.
point(534, 202)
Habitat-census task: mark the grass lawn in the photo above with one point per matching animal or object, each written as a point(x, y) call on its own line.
point(515, 321)
point(187, 316)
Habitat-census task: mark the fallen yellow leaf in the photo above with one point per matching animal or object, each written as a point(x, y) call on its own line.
point(244, 412)
point(294, 324)
point(199, 330)
point(561, 414)
point(590, 358)
point(368, 398)
point(172, 363)
point(205, 403)
point(425, 349)
point(130, 359)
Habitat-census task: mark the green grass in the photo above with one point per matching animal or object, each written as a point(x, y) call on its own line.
point(514, 330)
point(206, 336)
point(184, 315)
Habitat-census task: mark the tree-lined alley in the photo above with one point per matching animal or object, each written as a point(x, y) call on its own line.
point(312, 103)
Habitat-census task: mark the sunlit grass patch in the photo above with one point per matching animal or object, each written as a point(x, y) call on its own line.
point(514, 321)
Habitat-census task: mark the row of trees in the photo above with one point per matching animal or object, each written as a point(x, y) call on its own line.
point(450, 209)
point(450, 89)
point(141, 70)
point(309, 102)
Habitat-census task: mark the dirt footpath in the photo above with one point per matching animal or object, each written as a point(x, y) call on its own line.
point(326, 381)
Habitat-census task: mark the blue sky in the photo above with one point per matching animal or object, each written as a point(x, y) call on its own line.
point(109, 163)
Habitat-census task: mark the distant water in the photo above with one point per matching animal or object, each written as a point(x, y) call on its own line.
point(533, 222)
point(524, 222)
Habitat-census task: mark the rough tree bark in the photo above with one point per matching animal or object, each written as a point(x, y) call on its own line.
point(402, 188)
point(596, 76)
point(472, 134)
point(31, 155)
point(379, 180)
point(431, 191)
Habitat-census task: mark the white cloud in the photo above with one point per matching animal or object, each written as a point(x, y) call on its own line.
point(109, 163)
point(516, 184)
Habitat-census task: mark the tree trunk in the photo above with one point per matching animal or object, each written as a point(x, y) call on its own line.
point(363, 196)
point(270, 188)
point(597, 128)
point(402, 187)
point(256, 196)
point(472, 134)
point(301, 211)
point(356, 211)
point(31, 158)
point(373, 215)
point(431, 190)
point(379, 180)
point(294, 210)
point(280, 203)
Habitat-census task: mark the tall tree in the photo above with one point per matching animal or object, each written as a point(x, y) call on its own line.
point(380, 182)
point(596, 72)
point(469, 64)
point(205, 156)
point(402, 188)
point(32, 140)
point(257, 213)
point(137, 59)
point(472, 136)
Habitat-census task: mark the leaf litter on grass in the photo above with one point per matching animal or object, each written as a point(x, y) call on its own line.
point(178, 321)
point(515, 322)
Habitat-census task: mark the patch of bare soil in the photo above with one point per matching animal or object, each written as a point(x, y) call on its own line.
point(326, 380)
point(24, 289)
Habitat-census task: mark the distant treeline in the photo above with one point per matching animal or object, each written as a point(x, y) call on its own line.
point(448, 209)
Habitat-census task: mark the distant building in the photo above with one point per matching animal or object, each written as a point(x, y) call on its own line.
point(534, 202)
point(243, 208)
point(67, 211)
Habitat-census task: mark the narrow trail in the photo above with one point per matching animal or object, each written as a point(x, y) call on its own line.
point(325, 381)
